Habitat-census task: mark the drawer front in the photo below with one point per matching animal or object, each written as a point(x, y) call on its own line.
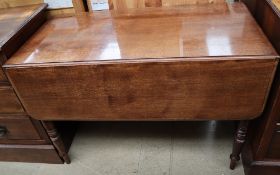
point(9, 102)
point(2, 76)
point(17, 128)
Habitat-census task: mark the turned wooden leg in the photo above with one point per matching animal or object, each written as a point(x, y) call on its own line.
point(56, 139)
point(239, 141)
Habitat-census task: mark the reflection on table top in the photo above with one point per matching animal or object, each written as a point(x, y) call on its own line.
point(212, 31)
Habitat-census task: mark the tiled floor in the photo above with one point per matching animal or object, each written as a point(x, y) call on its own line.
point(133, 148)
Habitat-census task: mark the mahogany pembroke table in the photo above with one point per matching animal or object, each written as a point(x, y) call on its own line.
point(196, 62)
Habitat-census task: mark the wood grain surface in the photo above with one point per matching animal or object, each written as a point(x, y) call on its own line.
point(18, 128)
point(196, 31)
point(171, 90)
point(199, 62)
point(11, 21)
point(126, 4)
point(9, 102)
point(268, 16)
point(18, 3)
point(30, 153)
point(17, 25)
point(21, 137)
point(2, 75)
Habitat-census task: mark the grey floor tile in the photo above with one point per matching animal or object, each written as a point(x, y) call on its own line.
point(155, 157)
point(13, 168)
point(75, 168)
point(155, 150)
point(128, 148)
point(108, 150)
point(197, 152)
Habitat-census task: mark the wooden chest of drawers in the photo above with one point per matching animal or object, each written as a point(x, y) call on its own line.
point(262, 156)
point(21, 138)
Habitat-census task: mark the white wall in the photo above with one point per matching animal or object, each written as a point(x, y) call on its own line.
point(96, 4)
point(59, 3)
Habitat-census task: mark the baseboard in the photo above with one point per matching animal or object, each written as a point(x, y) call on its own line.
point(254, 167)
point(29, 153)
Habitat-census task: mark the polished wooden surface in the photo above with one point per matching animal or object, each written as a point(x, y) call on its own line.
point(15, 31)
point(269, 19)
point(21, 138)
point(199, 62)
point(266, 127)
point(258, 167)
point(274, 147)
point(79, 5)
point(13, 19)
point(9, 102)
point(17, 3)
point(30, 153)
point(18, 128)
point(148, 64)
point(2, 75)
point(193, 31)
point(251, 5)
point(60, 13)
point(51, 13)
point(168, 90)
point(126, 4)
point(262, 156)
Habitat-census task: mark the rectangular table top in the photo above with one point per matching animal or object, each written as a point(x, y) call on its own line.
point(215, 31)
point(199, 62)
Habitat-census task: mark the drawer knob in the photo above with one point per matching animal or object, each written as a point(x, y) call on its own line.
point(3, 131)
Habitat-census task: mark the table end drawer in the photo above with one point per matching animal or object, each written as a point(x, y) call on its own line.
point(17, 128)
point(9, 102)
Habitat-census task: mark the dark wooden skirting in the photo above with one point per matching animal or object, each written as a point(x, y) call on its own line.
point(253, 167)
